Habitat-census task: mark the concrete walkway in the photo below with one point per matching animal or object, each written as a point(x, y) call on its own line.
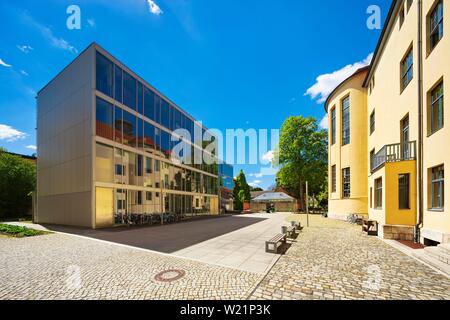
point(243, 249)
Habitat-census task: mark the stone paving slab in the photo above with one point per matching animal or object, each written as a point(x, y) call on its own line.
point(243, 249)
point(335, 260)
point(61, 266)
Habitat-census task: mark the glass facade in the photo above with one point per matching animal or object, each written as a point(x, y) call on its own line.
point(152, 185)
point(226, 173)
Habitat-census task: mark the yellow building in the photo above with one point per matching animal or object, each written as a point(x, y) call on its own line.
point(347, 109)
point(405, 123)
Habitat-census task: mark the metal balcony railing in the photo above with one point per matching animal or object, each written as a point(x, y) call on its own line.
point(393, 153)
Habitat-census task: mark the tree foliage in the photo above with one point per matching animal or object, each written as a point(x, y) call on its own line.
point(17, 181)
point(302, 155)
point(241, 191)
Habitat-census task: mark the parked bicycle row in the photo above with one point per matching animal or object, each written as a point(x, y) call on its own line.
point(147, 218)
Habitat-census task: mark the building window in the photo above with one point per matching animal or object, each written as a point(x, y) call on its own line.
point(407, 69)
point(372, 157)
point(118, 85)
point(372, 122)
point(403, 192)
point(148, 196)
point(401, 17)
point(104, 119)
point(129, 129)
point(140, 99)
point(149, 103)
point(333, 126)
point(379, 193)
point(333, 179)
point(436, 112)
point(346, 183)
point(120, 169)
point(437, 188)
point(346, 121)
point(129, 90)
point(104, 75)
point(436, 24)
point(408, 5)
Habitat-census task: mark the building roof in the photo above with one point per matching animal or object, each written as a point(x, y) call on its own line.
point(255, 194)
point(273, 197)
point(360, 70)
point(387, 28)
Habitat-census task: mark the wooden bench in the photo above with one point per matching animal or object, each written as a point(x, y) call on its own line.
point(370, 227)
point(296, 225)
point(289, 231)
point(274, 244)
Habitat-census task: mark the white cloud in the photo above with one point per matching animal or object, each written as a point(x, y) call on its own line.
point(326, 83)
point(154, 8)
point(268, 157)
point(24, 73)
point(324, 123)
point(47, 33)
point(255, 183)
point(10, 134)
point(31, 147)
point(4, 64)
point(25, 48)
point(256, 175)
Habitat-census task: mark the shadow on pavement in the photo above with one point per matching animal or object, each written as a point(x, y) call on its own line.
point(168, 238)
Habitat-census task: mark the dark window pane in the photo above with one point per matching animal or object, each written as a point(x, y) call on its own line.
point(140, 101)
point(129, 91)
point(346, 121)
point(379, 193)
point(165, 114)
point(104, 71)
point(333, 126)
point(157, 109)
point(118, 125)
point(149, 103)
point(165, 144)
point(157, 139)
point(149, 137)
point(437, 188)
point(104, 119)
point(140, 133)
point(403, 191)
point(346, 183)
point(129, 129)
point(118, 85)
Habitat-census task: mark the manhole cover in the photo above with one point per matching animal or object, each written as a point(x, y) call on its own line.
point(170, 275)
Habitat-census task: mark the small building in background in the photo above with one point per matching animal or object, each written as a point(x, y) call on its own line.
point(270, 201)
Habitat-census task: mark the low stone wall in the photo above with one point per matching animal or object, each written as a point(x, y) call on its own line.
point(391, 232)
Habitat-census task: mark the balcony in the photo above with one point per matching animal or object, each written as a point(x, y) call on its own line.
point(393, 153)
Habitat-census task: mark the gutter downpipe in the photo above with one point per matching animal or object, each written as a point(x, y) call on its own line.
point(420, 123)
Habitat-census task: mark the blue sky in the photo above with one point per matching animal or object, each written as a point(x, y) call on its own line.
point(231, 64)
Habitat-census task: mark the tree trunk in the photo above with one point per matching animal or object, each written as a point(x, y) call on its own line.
point(301, 199)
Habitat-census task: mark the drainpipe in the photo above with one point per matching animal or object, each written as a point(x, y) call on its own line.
point(420, 122)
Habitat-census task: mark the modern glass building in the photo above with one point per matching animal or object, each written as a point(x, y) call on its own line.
point(226, 175)
point(106, 140)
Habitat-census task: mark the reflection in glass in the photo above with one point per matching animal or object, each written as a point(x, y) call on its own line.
point(104, 119)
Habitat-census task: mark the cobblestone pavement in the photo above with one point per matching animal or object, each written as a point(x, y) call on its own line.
point(59, 266)
point(335, 260)
point(330, 260)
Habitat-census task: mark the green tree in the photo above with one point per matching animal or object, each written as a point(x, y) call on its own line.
point(17, 181)
point(302, 155)
point(241, 191)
